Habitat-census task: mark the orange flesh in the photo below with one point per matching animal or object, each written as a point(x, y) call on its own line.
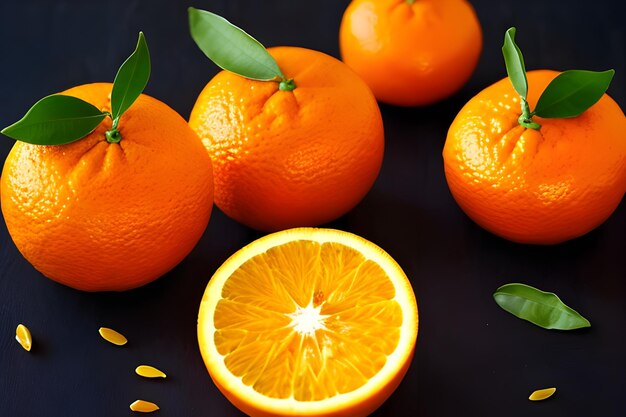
point(307, 321)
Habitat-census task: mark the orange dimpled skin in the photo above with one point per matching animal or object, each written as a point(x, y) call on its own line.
point(291, 158)
point(99, 216)
point(536, 186)
point(411, 53)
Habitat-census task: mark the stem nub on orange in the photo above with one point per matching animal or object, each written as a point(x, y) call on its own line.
point(291, 158)
point(308, 322)
point(540, 186)
point(411, 52)
point(100, 216)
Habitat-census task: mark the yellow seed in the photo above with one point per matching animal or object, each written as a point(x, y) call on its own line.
point(112, 336)
point(141, 406)
point(149, 372)
point(23, 337)
point(542, 394)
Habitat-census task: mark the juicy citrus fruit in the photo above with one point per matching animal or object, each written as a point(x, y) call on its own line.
point(291, 158)
point(308, 322)
point(100, 216)
point(411, 52)
point(535, 186)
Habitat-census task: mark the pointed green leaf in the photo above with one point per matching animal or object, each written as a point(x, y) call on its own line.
point(56, 120)
point(572, 92)
point(545, 309)
point(131, 79)
point(231, 48)
point(514, 62)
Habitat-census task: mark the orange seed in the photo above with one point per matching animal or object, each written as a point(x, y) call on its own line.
point(149, 372)
point(23, 337)
point(542, 394)
point(112, 336)
point(141, 406)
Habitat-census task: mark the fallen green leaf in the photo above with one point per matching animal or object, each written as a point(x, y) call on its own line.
point(545, 309)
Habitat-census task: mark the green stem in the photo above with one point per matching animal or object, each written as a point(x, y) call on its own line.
point(113, 135)
point(410, 1)
point(287, 85)
point(526, 119)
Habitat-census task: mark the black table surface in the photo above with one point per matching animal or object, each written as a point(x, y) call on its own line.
point(472, 358)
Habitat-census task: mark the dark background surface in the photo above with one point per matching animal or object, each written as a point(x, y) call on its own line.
point(472, 358)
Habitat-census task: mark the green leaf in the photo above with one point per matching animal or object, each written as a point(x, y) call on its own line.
point(231, 48)
point(56, 120)
point(545, 309)
point(514, 62)
point(131, 79)
point(572, 92)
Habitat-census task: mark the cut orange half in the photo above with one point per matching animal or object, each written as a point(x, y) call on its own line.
point(308, 322)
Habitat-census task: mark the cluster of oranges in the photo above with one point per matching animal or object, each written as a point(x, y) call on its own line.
point(103, 216)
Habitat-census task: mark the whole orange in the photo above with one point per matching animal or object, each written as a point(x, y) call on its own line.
point(411, 52)
point(291, 158)
point(536, 186)
point(99, 216)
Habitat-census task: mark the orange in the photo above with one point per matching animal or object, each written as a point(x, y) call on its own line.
point(98, 216)
point(535, 186)
point(411, 53)
point(291, 158)
point(308, 322)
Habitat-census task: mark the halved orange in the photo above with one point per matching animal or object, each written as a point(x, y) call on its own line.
point(308, 322)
